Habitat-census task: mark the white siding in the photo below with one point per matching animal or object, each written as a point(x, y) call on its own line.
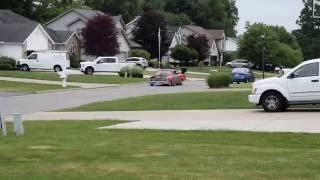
point(124, 46)
point(11, 50)
point(37, 41)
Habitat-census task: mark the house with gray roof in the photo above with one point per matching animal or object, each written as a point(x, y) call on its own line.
point(20, 36)
point(75, 20)
point(216, 40)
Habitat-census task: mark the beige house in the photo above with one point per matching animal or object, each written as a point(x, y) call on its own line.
point(75, 20)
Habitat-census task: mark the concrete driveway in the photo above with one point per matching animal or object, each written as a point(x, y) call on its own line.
point(301, 121)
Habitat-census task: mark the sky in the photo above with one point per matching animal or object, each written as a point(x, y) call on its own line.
point(272, 12)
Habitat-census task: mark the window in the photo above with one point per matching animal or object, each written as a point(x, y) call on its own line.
point(107, 60)
point(307, 70)
point(33, 56)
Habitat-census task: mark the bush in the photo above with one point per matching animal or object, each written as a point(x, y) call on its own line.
point(7, 63)
point(219, 80)
point(74, 61)
point(131, 71)
point(154, 63)
point(140, 53)
point(184, 54)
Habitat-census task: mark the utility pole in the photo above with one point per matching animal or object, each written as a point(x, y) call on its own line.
point(159, 40)
point(263, 55)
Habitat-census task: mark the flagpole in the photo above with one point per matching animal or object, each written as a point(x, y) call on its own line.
point(159, 40)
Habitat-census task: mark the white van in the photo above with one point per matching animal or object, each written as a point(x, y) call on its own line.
point(47, 60)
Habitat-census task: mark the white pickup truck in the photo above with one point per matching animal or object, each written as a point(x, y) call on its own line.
point(299, 86)
point(103, 64)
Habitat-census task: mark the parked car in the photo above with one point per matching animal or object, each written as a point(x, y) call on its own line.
point(103, 64)
point(167, 77)
point(299, 86)
point(47, 60)
point(239, 63)
point(139, 61)
point(242, 75)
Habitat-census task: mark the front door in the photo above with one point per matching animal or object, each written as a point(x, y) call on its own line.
point(304, 83)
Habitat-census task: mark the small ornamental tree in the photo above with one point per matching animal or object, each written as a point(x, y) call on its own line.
point(200, 44)
point(140, 53)
point(100, 36)
point(183, 54)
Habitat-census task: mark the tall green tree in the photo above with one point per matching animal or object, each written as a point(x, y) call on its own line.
point(309, 33)
point(127, 8)
point(280, 46)
point(146, 32)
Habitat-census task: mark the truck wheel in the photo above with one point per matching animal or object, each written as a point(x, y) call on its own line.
point(89, 71)
point(57, 68)
point(24, 68)
point(273, 102)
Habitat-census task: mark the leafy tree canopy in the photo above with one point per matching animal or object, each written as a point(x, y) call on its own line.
point(100, 36)
point(281, 48)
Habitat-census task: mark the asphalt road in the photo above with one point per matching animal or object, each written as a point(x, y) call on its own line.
point(10, 94)
point(60, 100)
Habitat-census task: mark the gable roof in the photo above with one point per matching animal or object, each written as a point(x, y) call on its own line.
point(87, 14)
point(211, 34)
point(60, 37)
point(15, 28)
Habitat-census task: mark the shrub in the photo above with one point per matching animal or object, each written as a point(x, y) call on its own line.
point(7, 63)
point(140, 53)
point(219, 80)
point(74, 61)
point(201, 64)
point(131, 71)
point(154, 63)
point(183, 54)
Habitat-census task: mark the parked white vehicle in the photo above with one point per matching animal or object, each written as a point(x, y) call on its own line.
point(48, 60)
point(239, 63)
point(103, 64)
point(139, 61)
point(299, 86)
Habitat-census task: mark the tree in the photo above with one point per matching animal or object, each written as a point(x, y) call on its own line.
point(146, 33)
point(200, 44)
point(140, 53)
point(308, 35)
point(280, 46)
point(176, 19)
point(211, 14)
point(127, 8)
point(184, 54)
point(100, 36)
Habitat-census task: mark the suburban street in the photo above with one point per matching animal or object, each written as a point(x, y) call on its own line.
point(67, 99)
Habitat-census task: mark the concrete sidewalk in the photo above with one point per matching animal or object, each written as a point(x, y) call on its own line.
point(236, 120)
point(82, 85)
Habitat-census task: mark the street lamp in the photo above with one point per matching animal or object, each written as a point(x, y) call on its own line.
point(263, 55)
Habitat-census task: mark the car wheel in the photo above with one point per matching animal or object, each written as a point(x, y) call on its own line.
point(151, 84)
point(89, 71)
point(229, 66)
point(25, 68)
point(273, 102)
point(57, 68)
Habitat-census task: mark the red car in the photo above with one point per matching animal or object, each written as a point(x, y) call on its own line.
point(167, 77)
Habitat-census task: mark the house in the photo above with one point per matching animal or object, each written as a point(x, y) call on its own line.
point(75, 20)
point(20, 36)
point(216, 40)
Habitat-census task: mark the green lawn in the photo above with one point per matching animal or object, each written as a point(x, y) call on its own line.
point(181, 101)
point(77, 150)
point(104, 79)
point(6, 86)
